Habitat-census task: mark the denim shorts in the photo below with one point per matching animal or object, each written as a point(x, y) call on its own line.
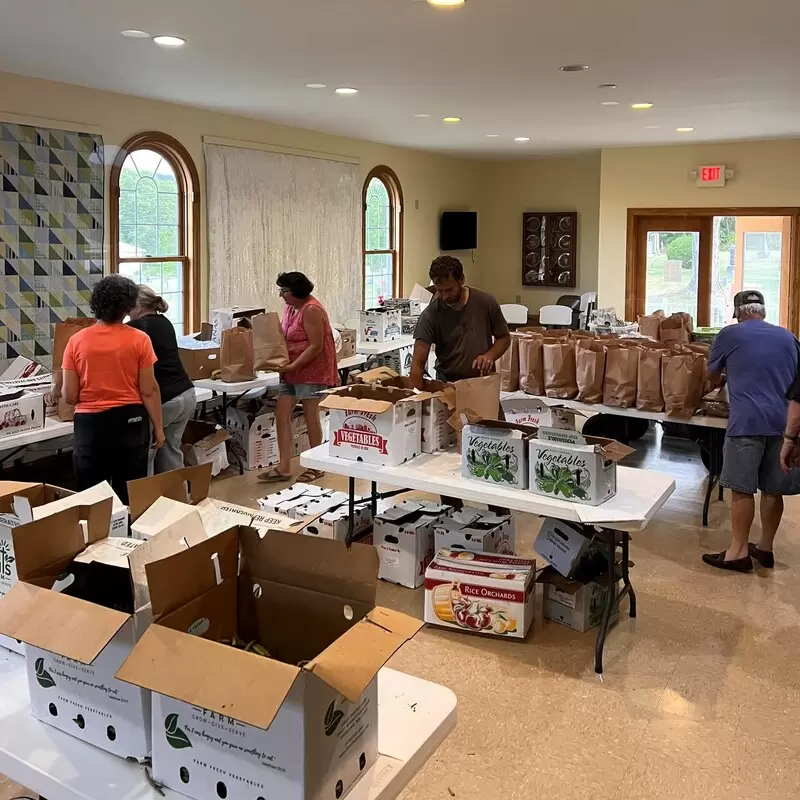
point(752, 464)
point(302, 391)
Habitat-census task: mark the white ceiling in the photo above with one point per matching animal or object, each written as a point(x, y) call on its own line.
point(728, 68)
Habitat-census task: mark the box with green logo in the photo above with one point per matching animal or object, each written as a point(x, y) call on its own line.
point(263, 662)
point(569, 466)
point(496, 452)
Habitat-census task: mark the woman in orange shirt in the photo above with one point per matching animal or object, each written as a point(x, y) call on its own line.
point(109, 378)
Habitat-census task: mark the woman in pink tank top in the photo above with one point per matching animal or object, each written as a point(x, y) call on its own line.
point(312, 368)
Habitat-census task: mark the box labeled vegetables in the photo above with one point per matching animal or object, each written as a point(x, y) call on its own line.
point(496, 452)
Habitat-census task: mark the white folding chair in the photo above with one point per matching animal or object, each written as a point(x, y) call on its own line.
point(588, 303)
point(515, 314)
point(555, 317)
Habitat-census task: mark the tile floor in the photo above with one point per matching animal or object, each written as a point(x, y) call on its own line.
point(701, 695)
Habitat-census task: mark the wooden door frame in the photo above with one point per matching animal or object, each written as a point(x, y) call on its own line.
point(634, 278)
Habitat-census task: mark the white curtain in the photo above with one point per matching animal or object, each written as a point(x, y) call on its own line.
point(270, 213)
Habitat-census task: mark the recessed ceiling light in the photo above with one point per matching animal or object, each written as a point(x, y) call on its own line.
point(641, 106)
point(451, 120)
point(684, 130)
point(607, 86)
point(346, 90)
point(131, 33)
point(422, 116)
point(609, 103)
point(492, 135)
point(316, 85)
point(651, 127)
point(522, 139)
point(446, 3)
point(574, 67)
point(169, 41)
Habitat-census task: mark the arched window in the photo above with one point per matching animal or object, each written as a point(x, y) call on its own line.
point(155, 223)
point(383, 236)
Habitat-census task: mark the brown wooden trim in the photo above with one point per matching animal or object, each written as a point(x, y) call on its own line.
point(188, 220)
point(702, 218)
point(396, 214)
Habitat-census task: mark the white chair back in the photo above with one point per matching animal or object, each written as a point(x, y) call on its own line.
point(555, 316)
point(587, 298)
point(514, 313)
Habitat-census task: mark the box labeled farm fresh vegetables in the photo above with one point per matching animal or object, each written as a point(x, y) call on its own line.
point(496, 452)
point(569, 466)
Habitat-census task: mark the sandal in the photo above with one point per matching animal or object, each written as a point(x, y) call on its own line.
point(273, 476)
point(310, 475)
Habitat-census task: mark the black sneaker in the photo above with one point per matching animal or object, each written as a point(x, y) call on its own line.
point(764, 557)
point(737, 565)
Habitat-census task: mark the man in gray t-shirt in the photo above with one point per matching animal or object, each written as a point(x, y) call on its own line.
point(466, 326)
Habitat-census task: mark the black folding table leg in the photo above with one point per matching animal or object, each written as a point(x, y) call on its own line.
point(611, 602)
point(351, 508)
point(374, 502)
point(626, 577)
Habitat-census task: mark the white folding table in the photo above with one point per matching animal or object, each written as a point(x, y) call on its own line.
point(381, 348)
point(640, 494)
point(710, 436)
point(414, 718)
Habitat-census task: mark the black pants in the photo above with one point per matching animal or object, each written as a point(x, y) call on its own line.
point(111, 446)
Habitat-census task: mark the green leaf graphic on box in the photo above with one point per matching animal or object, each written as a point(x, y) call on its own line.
point(478, 470)
point(332, 719)
point(43, 677)
point(176, 738)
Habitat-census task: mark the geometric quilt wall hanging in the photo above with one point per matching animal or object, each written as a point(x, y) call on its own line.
point(51, 234)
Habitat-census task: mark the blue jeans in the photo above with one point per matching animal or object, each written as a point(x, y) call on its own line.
point(176, 413)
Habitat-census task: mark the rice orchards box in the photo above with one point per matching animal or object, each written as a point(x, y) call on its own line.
point(480, 593)
point(496, 452)
point(569, 466)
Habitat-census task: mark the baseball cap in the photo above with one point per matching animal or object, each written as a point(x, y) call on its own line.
point(748, 296)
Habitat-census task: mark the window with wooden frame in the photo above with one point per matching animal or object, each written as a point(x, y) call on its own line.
point(382, 236)
point(697, 259)
point(155, 223)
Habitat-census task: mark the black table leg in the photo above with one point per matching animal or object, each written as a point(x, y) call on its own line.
point(374, 500)
point(351, 508)
point(344, 374)
point(713, 445)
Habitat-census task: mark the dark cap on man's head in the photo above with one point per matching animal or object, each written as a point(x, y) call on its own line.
point(748, 296)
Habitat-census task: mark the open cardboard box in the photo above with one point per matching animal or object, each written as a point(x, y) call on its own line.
point(162, 500)
point(204, 443)
point(374, 424)
point(541, 412)
point(300, 725)
point(79, 605)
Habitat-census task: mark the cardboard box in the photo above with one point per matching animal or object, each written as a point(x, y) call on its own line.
point(219, 516)
point(568, 466)
point(79, 632)
point(397, 360)
point(538, 412)
point(375, 424)
point(20, 414)
point(275, 729)
point(254, 438)
point(224, 318)
point(576, 605)
point(285, 500)
point(21, 368)
point(204, 443)
point(476, 531)
point(403, 536)
point(199, 363)
point(405, 305)
point(480, 593)
point(64, 498)
point(159, 501)
point(562, 545)
point(380, 325)
point(408, 324)
point(496, 452)
point(349, 339)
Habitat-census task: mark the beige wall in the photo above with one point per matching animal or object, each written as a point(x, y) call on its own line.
point(767, 174)
point(431, 183)
point(511, 187)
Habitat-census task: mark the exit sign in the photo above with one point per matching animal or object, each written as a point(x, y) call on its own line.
point(711, 176)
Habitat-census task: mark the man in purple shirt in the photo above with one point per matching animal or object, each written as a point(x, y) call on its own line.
point(761, 361)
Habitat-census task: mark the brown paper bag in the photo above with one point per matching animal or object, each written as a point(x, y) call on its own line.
point(622, 368)
point(682, 377)
point(558, 360)
point(531, 368)
point(676, 329)
point(62, 333)
point(507, 366)
point(650, 325)
point(590, 369)
point(269, 344)
point(477, 398)
point(236, 355)
point(649, 396)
